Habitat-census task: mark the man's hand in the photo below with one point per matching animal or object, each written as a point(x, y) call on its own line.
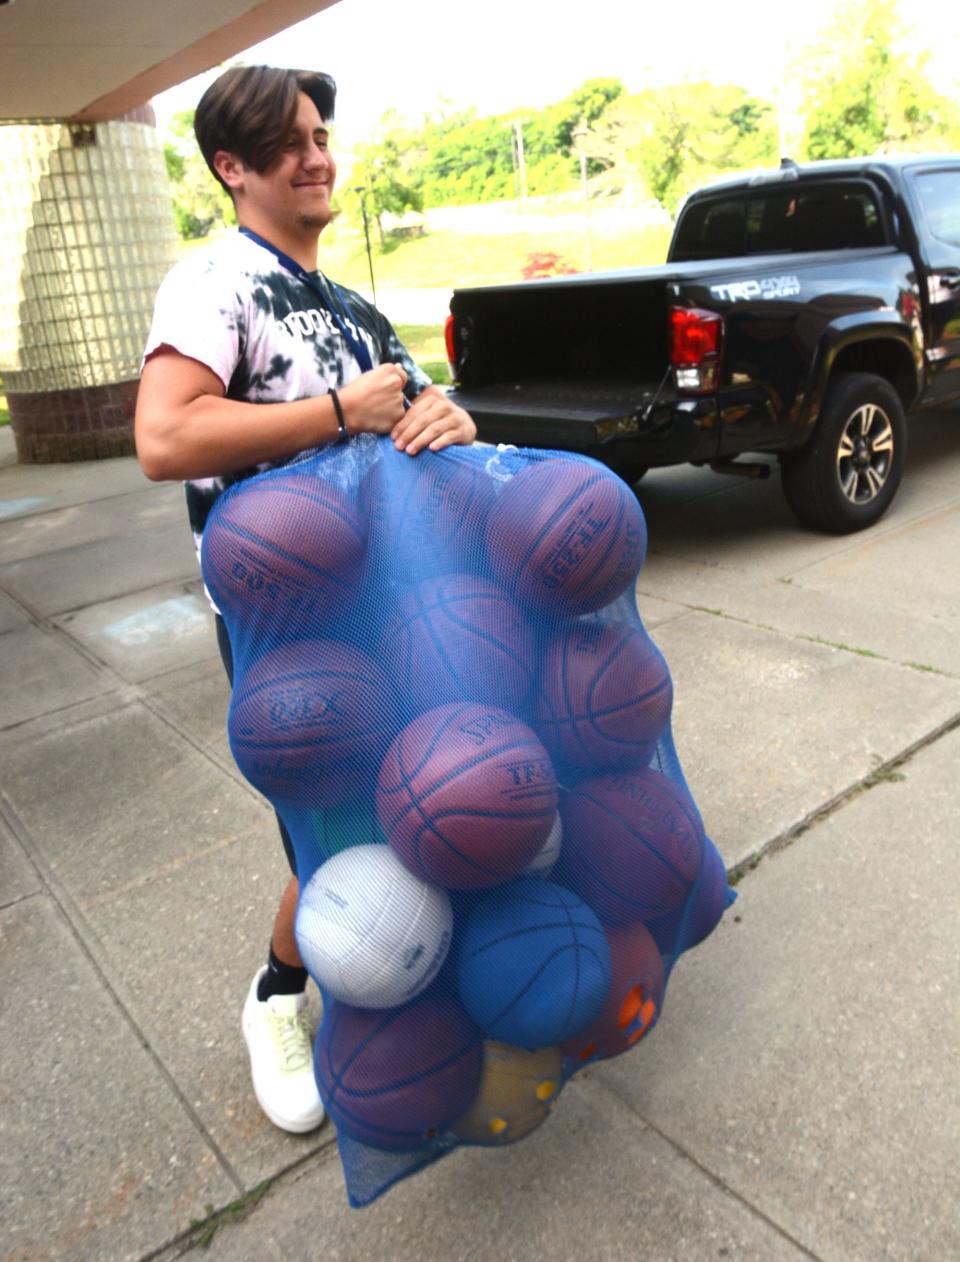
point(374, 403)
point(435, 421)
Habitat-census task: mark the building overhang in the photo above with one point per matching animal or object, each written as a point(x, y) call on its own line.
point(96, 60)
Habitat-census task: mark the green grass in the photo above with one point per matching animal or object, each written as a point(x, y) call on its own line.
point(444, 258)
point(438, 370)
point(426, 344)
point(447, 256)
point(203, 1230)
point(4, 411)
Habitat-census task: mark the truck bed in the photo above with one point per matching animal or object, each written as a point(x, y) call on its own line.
point(590, 336)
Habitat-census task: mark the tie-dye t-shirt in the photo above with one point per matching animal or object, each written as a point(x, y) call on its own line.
point(266, 335)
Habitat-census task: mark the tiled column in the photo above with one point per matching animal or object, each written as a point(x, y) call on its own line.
point(86, 235)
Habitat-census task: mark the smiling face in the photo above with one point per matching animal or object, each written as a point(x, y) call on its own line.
point(290, 200)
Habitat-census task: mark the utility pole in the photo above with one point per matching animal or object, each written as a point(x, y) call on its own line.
point(513, 159)
point(579, 137)
point(518, 133)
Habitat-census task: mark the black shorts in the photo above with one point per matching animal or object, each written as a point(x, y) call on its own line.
point(226, 653)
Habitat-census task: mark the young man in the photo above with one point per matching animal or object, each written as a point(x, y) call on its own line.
point(252, 322)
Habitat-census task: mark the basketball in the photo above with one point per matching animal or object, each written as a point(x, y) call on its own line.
point(632, 844)
point(466, 796)
point(283, 544)
point(308, 722)
point(533, 964)
point(459, 638)
point(396, 1078)
point(636, 996)
point(566, 536)
point(517, 1091)
point(437, 504)
point(604, 695)
point(545, 860)
point(696, 918)
point(370, 932)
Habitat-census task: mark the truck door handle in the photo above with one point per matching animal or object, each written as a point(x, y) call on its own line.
point(950, 281)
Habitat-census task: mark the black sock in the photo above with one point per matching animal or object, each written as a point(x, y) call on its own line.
point(281, 979)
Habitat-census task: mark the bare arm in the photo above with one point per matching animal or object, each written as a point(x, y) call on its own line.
point(185, 428)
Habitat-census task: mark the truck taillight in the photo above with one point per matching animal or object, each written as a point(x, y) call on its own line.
point(696, 342)
point(451, 349)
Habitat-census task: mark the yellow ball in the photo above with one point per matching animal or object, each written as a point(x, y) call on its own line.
point(517, 1091)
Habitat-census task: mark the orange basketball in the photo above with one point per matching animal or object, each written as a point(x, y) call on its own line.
point(309, 721)
point(285, 544)
point(633, 844)
point(466, 795)
point(604, 695)
point(566, 536)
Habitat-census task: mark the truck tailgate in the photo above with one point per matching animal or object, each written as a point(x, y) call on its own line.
point(565, 415)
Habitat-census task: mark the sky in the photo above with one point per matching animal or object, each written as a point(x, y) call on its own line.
point(498, 55)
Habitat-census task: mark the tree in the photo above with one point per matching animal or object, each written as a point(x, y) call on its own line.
point(387, 172)
point(199, 203)
point(470, 159)
point(868, 94)
point(662, 141)
point(467, 159)
point(683, 134)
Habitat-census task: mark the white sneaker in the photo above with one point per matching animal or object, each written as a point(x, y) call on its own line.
point(281, 1059)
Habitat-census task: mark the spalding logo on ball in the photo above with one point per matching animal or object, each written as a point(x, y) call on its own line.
point(467, 796)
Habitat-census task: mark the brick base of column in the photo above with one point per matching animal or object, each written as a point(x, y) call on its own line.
point(91, 423)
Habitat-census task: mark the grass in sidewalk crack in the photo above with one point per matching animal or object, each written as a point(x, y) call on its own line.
point(204, 1229)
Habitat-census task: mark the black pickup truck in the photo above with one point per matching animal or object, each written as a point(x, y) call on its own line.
point(801, 311)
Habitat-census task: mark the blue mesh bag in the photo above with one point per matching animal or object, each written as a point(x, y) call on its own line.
point(443, 685)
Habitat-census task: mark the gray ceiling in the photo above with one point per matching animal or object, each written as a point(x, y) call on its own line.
point(95, 59)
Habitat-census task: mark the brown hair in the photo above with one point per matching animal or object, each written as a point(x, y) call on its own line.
point(249, 111)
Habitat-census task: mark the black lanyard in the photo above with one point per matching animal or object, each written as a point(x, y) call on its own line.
point(353, 338)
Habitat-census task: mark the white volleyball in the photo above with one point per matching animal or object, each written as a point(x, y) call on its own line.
point(371, 933)
point(545, 860)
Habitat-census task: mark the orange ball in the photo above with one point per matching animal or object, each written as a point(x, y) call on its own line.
point(636, 995)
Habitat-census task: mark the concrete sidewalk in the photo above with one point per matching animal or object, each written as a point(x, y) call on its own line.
point(799, 1098)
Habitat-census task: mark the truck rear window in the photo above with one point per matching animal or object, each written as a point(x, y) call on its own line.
point(779, 221)
point(940, 194)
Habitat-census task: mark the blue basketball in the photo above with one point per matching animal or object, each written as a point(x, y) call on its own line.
point(533, 966)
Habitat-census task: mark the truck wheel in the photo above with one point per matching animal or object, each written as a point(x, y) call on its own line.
point(848, 473)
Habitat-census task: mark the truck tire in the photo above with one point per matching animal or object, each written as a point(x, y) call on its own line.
point(846, 476)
